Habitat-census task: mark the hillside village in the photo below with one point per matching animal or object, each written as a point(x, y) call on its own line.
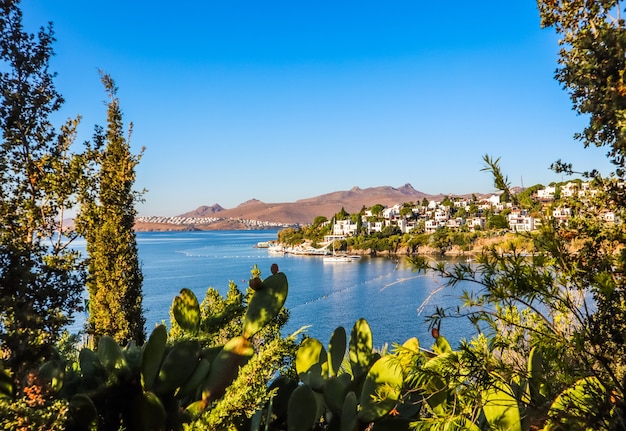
point(467, 214)
point(454, 213)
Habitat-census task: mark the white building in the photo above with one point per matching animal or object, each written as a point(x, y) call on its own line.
point(344, 227)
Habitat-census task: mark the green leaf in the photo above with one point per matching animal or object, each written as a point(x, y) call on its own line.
point(337, 350)
point(186, 311)
point(500, 408)
point(311, 359)
point(302, 409)
point(265, 304)
point(178, 366)
point(360, 350)
point(381, 389)
point(152, 356)
point(225, 367)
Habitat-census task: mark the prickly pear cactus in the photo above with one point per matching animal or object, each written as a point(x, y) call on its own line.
point(265, 304)
point(152, 356)
point(225, 367)
point(186, 311)
point(361, 346)
point(381, 389)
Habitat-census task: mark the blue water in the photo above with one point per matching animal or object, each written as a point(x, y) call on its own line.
point(394, 299)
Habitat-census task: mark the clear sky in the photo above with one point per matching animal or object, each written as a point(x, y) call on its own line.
point(285, 100)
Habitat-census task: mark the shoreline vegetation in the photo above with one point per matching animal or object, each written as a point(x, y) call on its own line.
point(475, 246)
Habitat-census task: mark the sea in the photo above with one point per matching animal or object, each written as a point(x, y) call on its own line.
point(394, 299)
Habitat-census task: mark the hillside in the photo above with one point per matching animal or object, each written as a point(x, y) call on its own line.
point(305, 210)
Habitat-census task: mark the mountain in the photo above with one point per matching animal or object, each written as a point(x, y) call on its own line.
point(303, 211)
point(204, 211)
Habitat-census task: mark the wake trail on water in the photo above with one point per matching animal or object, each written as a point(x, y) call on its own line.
point(363, 283)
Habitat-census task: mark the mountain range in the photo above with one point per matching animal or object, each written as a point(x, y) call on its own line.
point(303, 211)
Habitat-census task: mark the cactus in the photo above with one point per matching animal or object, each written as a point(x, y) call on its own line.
point(335, 391)
point(346, 398)
point(83, 411)
point(265, 304)
point(186, 311)
point(500, 407)
point(302, 409)
point(381, 389)
point(111, 355)
point(349, 420)
point(152, 356)
point(52, 374)
point(225, 367)
point(149, 413)
point(310, 360)
point(336, 350)
point(178, 366)
point(361, 345)
point(167, 381)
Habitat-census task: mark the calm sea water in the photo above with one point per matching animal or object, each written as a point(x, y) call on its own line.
point(394, 299)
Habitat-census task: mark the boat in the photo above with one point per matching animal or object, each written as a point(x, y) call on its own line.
point(337, 257)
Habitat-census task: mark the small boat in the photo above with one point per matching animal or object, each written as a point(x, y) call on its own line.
point(337, 257)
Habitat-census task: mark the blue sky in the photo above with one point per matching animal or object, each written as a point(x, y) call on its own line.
point(284, 100)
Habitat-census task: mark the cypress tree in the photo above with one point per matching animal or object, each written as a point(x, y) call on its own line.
point(107, 220)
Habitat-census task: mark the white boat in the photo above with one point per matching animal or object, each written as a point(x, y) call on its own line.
point(337, 257)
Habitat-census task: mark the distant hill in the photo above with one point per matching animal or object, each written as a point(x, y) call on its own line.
point(204, 211)
point(304, 211)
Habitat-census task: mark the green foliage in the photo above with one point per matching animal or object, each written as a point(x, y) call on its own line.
point(24, 415)
point(265, 304)
point(365, 390)
point(186, 311)
point(178, 382)
point(591, 67)
point(500, 181)
point(497, 221)
point(561, 307)
point(106, 220)
point(42, 279)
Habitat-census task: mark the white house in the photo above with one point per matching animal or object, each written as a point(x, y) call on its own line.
point(561, 214)
point(344, 227)
point(546, 193)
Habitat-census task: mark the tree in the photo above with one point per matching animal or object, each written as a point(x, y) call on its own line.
point(564, 303)
point(41, 279)
point(106, 220)
point(319, 220)
point(591, 68)
point(407, 210)
point(342, 214)
point(497, 221)
point(377, 210)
